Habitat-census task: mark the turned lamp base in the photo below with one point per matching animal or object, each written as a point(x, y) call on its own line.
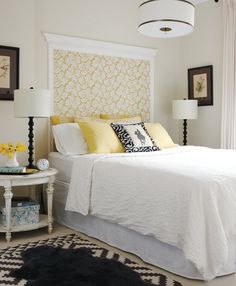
point(31, 144)
point(185, 132)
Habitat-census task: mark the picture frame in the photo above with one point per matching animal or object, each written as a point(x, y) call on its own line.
point(9, 72)
point(200, 85)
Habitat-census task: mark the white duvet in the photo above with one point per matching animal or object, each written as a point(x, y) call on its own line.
point(185, 197)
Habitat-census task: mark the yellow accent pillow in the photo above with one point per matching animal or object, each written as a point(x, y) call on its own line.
point(86, 118)
point(135, 119)
point(118, 116)
point(100, 137)
point(159, 135)
point(55, 119)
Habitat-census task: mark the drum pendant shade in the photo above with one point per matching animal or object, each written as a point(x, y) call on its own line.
point(166, 18)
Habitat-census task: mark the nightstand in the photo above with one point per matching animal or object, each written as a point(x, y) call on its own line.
point(41, 177)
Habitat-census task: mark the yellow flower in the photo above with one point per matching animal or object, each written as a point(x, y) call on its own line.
point(3, 149)
point(9, 149)
point(20, 147)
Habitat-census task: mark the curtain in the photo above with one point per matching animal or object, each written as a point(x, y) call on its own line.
point(228, 128)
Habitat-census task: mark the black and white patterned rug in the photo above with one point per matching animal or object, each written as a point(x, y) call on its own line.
point(10, 258)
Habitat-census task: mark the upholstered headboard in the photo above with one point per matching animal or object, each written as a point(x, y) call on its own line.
point(89, 77)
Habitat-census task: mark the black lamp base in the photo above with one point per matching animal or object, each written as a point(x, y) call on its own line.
point(185, 132)
point(31, 167)
point(31, 144)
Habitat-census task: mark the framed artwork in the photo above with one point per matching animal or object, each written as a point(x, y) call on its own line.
point(9, 72)
point(200, 85)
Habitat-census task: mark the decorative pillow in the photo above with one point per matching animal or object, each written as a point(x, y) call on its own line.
point(69, 139)
point(100, 137)
point(118, 116)
point(135, 119)
point(135, 137)
point(86, 118)
point(159, 135)
point(61, 119)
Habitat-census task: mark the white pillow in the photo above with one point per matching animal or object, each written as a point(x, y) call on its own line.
point(69, 139)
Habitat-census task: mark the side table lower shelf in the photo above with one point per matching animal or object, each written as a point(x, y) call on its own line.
point(40, 178)
point(43, 222)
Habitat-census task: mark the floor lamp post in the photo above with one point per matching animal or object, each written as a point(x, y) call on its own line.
point(184, 109)
point(31, 103)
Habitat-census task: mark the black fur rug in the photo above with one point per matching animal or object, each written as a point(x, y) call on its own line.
point(52, 266)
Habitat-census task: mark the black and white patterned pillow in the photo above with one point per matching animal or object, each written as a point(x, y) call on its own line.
point(135, 137)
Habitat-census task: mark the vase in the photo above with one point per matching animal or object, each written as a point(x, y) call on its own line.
point(12, 162)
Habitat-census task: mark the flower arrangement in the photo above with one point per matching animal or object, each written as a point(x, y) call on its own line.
point(9, 149)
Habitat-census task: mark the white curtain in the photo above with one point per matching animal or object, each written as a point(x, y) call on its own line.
point(228, 128)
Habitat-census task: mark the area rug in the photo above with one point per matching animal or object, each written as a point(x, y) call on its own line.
point(10, 259)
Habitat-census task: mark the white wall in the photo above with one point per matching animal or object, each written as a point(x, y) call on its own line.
point(205, 47)
point(17, 30)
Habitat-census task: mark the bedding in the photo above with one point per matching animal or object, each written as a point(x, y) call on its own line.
point(69, 139)
point(96, 136)
point(159, 135)
point(55, 119)
point(134, 137)
point(86, 118)
point(119, 116)
point(100, 137)
point(184, 196)
point(63, 164)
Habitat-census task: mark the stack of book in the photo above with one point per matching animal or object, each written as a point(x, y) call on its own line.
point(12, 170)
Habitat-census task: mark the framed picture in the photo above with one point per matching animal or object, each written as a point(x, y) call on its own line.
point(9, 72)
point(200, 85)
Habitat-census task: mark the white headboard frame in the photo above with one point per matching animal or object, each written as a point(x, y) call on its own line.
point(76, 44)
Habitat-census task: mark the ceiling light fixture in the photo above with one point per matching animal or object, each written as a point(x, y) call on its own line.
point(166, 18)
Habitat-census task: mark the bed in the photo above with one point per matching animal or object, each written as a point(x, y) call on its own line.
point(174, 208)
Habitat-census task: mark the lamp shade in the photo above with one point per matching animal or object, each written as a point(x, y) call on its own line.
point(166, 18)
point(32, 103)
point(184, 109)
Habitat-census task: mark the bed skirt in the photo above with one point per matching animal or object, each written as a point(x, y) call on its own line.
point(148, 248)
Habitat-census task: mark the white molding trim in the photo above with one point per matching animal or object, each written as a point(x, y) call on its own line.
point(62, 42)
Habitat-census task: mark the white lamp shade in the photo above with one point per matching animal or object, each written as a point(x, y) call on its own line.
point(32, 103)
point(166, 18)
point(185, 109)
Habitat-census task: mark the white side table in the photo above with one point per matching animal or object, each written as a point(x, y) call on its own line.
point(41, 177)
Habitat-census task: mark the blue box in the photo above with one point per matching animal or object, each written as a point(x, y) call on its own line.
point(22, 213)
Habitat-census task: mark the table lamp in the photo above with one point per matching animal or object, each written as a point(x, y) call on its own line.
point(31, 103)
point(184, 109)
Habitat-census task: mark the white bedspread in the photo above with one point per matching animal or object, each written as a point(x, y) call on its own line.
point(185, 197)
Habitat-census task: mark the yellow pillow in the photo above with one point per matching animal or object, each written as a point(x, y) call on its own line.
point(159, 135)
point(118, 116)
point(135, 119)
point(61, 119)
point(86, 118)
point(100, 137)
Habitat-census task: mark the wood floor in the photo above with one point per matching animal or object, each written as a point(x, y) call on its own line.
point(36, 235)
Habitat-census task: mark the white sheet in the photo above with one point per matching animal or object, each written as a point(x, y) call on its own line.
point(63, 164)
point(184, 197)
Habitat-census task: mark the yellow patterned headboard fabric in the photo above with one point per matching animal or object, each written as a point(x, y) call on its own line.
point(88, 78)
point(87, 84)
